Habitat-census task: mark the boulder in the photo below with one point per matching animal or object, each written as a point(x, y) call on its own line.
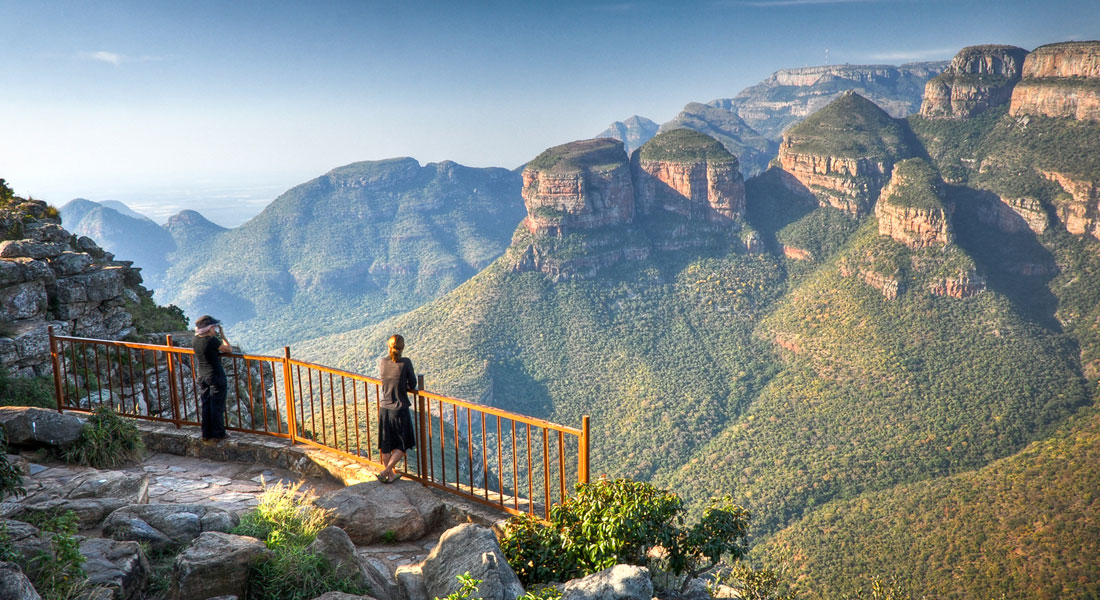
point(410, 578)
point(31, 249)
point(382, 582)
point(14, 585)
point(334, 545)
point(163, 526)
point(26, 543)
point(22, 301)
point(215, 564)
point(120, 566)
point(472, 549)
point(92, 495)
point(39, 427)
point(366, 511)
point(621, 582)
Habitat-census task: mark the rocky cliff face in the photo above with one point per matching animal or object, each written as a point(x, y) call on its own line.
point(690, 174)
point(49, 277)
point(578, 186)
point(1060, 80)
point(844, 153)
point(791, 95)
point(979, 77)
point(1079, 211)
point(911, 209)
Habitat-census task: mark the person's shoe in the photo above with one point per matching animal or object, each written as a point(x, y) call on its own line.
point(395, 477)
point(381, 479)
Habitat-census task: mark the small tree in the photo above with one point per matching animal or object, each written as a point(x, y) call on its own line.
point(619, 521)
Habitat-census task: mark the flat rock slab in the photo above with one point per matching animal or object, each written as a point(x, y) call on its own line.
point(370, 511)
point(39, 427)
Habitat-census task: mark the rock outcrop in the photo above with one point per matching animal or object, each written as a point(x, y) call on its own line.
point(911, 209)
point(1060, 80)
point(472, 549)
point(215, 564)
point(690, 174)
point(719, 120)
point(51, 277)
point(979, 78)
point(577, 186)
point(367, 511)
point(620, 582)
point(1079, 210)
point(844, 153)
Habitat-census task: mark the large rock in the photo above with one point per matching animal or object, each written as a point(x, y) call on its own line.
point(472, 549)
point(621, 582)
point(27, 543)
point(1060, 80)
point(23, 301)
point(39, 427)
point(334, 545)
point(92, 495)
point(163, 526)
point(215, 564)
point(912, 209)
point(691, 174)
point(979, 78)
point(14, 585)
point(121, 566)
point(576, 186)
point(367, 511)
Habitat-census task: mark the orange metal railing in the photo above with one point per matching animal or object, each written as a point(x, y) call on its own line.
point(506, 460)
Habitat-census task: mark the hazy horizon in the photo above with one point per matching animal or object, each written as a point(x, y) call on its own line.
point(160, 106)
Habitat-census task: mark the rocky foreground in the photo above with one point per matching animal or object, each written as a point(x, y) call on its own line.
point(401, 541)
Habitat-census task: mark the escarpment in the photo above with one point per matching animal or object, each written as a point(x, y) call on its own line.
point(979, 77)
point(912, 210)
point(844, 153)
point(589, 207)
point(1060, 80)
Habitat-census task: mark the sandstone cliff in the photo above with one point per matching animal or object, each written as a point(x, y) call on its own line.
point(577, 186)
point(911, 209)
point(1079, 208)
point(49, 277)
point(1060, 80)
point(790, 95)
point(719, 121)
point(690, 174)
point(844, 153)
point(978, 78)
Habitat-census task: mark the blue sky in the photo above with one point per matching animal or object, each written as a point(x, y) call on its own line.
point(162, 104)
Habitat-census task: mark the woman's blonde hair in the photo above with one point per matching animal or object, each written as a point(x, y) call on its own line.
point(396, 345)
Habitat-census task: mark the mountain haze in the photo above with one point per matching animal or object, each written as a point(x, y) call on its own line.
point(360, 243)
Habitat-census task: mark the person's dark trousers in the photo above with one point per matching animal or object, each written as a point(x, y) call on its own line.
point(212, 390)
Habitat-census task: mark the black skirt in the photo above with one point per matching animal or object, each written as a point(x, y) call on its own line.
point(395, 430)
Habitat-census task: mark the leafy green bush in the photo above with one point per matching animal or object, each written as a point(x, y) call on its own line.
point(468, 589)
point(749, 583)
point(106, 441)
point(619, 521)
point(58, 574)
point(150, 318)
point(287, 520)
point(26, 391)
point(11, 481)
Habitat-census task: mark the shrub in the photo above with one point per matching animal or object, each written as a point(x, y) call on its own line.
point(749, 583)
point(287, 520)
point(26, 391)
point(619, 521)
point(11, 481)
point(469, 588)
point(58, 574)
point(106, 441)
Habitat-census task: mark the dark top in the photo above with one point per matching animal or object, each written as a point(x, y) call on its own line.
point(208, 359)
point(397, 378)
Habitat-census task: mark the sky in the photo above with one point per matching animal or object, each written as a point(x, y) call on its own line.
point(221, 106)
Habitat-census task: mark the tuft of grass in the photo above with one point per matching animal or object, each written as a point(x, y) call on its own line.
point(106, 441)
point(287, 520)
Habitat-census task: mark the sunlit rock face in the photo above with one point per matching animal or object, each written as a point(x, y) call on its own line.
point(979, 78)
point(1060, 80)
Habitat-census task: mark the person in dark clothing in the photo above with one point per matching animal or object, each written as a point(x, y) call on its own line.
point(395, 428)
point(210, 343)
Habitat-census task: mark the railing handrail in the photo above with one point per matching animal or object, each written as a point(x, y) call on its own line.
point(291, 372)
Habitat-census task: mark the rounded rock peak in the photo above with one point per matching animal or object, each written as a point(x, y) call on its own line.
point(685, 146)
point(581, 155)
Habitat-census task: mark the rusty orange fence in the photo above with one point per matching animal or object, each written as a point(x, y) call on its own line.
point(513, 462)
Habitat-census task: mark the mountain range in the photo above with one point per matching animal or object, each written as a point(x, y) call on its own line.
point(883, 340)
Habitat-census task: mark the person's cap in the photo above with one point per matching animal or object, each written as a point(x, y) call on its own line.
point(205, 321)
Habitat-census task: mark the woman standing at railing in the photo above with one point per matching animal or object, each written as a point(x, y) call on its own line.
point(395, 427)
point(211, 376)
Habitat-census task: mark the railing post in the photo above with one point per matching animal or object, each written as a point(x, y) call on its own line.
point(291, 420)
point(56, 367)
point(173, 396)
point(582, 456)
point(421, 433)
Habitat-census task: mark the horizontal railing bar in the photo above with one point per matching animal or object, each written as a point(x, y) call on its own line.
point(334, 371)
point(489, 410)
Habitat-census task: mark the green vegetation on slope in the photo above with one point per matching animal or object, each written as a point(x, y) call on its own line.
point(598, 153)
point(359, 244)
point(874, 393)
point(1024, 526)
point(921, 189)
point(685, 145)
point(852, 127)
